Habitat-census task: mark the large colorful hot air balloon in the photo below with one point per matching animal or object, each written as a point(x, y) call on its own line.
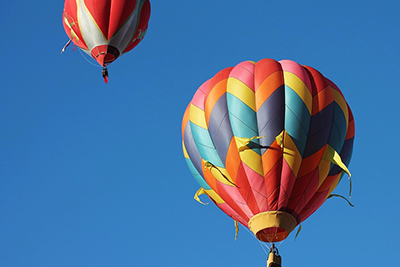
point(106, 29)
point(268, 142)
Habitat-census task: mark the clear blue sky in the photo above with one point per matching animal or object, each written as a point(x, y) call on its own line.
point(93, 174)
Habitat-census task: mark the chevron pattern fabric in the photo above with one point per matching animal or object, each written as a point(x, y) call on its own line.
point(257, 137)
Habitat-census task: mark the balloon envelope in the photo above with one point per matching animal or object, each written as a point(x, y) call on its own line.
point(106, 29)
point(268, 142)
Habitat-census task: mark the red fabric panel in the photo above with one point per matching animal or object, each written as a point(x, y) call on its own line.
point(351, 128)
point(311, 163)
point(318, 81)
point(100, 11)
point(305, 187)
point(263, 69)
point(109, 15)
point(119, 13)
point(272, 185)
point(245, 190)
point(70, 13)
point(287, 183)
point(237, 207)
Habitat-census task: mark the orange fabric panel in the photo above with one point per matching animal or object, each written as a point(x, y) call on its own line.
point(213, 96)
point(311, 163)
point(233, 161)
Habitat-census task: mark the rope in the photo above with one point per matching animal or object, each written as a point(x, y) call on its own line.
point(96, 65)
point(262, 244)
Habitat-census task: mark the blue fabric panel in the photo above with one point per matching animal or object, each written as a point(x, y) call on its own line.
point(205, 145)
point(270, 118)
point(199, 178)
point(220, 127)
point(243, 119)
point(191, 149)
point(320, 130)
point(297, 119)
point(339, 129)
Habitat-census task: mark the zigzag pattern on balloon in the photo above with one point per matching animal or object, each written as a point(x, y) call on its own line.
point(297, 116)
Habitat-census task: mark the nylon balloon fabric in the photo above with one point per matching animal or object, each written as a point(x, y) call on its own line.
point(106, 29)
point(268, 142)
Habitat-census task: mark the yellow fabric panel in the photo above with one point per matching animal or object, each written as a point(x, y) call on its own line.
point(250, 158)
point(184, 150)
point(300, 88)
point(241, 91)
point(272, 219)
point(200, 192)
point(73, 34)
point(215, 196)
point(279, 139)
point(332, 156)
point(334, 184)
point(219, 173)
point(323, 170)
point(242, 142)
point(197, 116)
point(291, 154)
point(209, 193)
point(338, 98)
point(208, 176)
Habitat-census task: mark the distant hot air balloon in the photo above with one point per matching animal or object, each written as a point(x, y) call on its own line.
point(106, 29)
point(268, 142)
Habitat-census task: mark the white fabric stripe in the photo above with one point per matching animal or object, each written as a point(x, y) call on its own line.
point(90, 32)
point(93, 36)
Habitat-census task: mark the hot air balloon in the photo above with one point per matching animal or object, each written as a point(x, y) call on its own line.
point(106, 29)
point(268, 142)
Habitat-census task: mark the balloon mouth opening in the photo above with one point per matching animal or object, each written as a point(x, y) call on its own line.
point(272, 226)
point(272, 234)
point(105, 54)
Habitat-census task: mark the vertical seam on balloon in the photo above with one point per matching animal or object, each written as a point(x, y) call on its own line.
point(331, 126)
point(208, 129)
point(303, 193)
point(272, 117)
point(193, 144)
point(330, 134)
point(230, 115)
point(226, 116)
point(281, 110)
point(302, 127)
point(311, 78)
point(283, 136)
